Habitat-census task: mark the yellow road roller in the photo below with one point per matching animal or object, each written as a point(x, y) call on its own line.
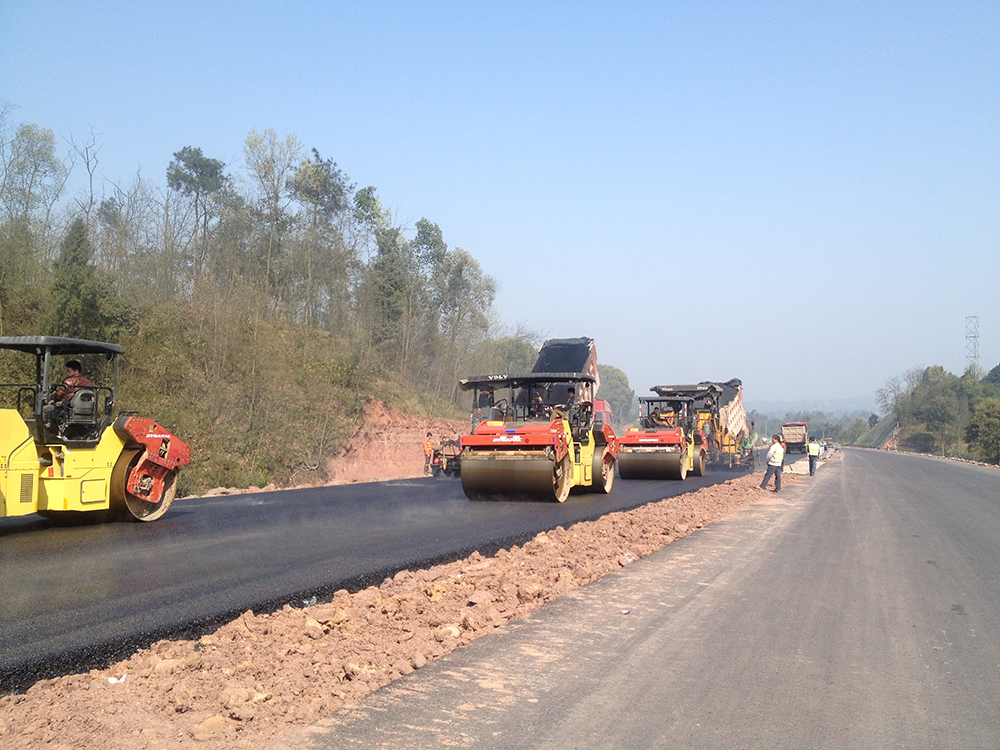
point(63, 453)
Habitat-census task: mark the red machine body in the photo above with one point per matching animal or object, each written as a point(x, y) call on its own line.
point(158, 453)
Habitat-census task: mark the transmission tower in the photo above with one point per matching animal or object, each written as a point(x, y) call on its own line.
point(972, 341)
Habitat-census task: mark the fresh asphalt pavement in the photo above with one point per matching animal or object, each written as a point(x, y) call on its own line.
point(72, 598)
point(859, 608)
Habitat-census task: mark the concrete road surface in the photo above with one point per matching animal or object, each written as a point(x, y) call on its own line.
point(861, 610)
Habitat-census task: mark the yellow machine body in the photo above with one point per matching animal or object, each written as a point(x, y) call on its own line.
point(56, 477)
point(62, 450)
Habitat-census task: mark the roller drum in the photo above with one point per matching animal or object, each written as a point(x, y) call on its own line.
point(602, 472)
point(515, 478)
point(126, 505)
point(652, 465)
point(698, 465)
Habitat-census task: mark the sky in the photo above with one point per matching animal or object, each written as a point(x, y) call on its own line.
point(805, 196)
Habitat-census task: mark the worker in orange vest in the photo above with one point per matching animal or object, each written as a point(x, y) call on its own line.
point(428, 452)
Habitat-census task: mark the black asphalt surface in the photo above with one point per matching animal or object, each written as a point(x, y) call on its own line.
point(73, 598)
point(858, 609)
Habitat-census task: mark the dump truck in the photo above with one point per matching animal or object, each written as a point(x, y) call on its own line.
point(531, 441)
point(735, 428)
point(569, 355)
point(63, 452)
point(668, 443)
point(795, 435)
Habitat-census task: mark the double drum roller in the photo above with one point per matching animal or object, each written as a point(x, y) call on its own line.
point(538, 441)
point(651, 464)
point(63, 452)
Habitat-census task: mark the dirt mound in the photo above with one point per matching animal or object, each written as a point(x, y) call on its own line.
point(262, 676)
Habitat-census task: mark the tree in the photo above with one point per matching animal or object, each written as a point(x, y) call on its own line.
point(888, 395)
point(88, 152)
point(323, 191)
point(615, 389)
point(271, 163)
point(938, 411)
point(983, 432)
point(32, 176)
point(852, 434)
point(463, 296)
point(74, 287)
point(387, 288)
point(993, 376)
point(194, 174)
point(505, 354)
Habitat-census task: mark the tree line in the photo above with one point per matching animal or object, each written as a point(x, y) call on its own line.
point(946, 414)
point(259, 303)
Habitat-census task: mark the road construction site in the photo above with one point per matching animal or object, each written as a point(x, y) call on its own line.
point(334, 616)
point(720, 617)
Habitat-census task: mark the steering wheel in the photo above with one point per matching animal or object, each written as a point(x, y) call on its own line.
point(501, 407)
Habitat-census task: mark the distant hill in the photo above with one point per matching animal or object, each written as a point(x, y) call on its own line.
point(827, 406)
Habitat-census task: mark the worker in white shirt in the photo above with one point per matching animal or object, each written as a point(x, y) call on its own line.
point(775, 458)
point(814, 451)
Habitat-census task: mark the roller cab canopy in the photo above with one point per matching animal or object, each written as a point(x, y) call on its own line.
point(697, 392)
point(480, 382)
point(519, 396)
point(57, 345)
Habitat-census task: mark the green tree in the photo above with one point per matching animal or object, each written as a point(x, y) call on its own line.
point(938, 411)
point(193, 174)
point(75, 289)
point(854, 432)
point(393, 292)
point(32, 176)
point(993, 376)
point(615, 389)
point(84, 304)
point(463, 296)
point(323, 191)
point(505, 355)
point(983, 432)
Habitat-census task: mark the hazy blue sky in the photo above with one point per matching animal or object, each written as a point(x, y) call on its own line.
point(802, 195)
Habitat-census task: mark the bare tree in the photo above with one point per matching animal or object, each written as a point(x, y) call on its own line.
point(88, 152)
